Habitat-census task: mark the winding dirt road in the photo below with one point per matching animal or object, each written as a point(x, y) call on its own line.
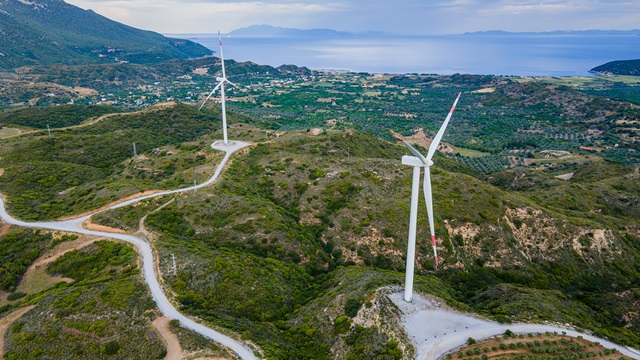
point(174, 350)
point(146, 252)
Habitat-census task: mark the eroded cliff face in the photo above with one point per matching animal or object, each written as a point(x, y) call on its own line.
point(527, 234)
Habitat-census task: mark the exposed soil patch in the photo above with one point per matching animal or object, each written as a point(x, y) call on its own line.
point(565, 176)
point(91, 226)
point(485, 90)
point(4, 229)
point(84, 91)
point(174, 350)
point(418, 138)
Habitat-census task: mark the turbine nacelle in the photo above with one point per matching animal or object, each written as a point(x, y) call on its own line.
point(415, 161)
point(218, 78)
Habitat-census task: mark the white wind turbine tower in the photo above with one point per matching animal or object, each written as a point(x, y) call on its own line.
point(418, 161)
point(221, 81)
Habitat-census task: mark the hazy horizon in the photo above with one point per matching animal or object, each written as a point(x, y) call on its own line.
point(214, 32)
point(403, 17)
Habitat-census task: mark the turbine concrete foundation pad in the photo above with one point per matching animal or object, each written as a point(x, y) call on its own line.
point(231, 145)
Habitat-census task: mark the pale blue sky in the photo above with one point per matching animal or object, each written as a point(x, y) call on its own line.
point(396, 16)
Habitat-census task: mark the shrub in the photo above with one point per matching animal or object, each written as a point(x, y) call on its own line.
point(352, 306)
point(111, 348)
point(341, 325)
point(16, 295)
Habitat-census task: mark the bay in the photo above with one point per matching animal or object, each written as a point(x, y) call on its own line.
point(488, 54)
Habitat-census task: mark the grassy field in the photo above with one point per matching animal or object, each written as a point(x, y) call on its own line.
point(586, 82)
point(470, 152)
point(6, 132)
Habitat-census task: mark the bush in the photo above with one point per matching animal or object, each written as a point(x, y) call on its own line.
point(111, 348)
point(352, 306)
point(341, 325)
point(16, 295)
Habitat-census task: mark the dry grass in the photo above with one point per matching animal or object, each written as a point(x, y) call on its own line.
point(6, 132)
point(470, 152)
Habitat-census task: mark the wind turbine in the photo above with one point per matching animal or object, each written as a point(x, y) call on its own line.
point(221, 81)
point(418, 161)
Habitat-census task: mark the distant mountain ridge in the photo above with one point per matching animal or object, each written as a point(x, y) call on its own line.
point(559, 32)
point(274, 31)
point(41, 32)
point(619, 67)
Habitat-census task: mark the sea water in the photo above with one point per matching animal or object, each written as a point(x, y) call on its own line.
point(503, 54)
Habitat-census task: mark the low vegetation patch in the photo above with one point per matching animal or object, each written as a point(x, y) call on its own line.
point(534, 346)
point(104, 313)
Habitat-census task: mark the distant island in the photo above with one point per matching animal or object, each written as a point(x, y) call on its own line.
point(275, 31)
point(264, 30)
point(620, 67)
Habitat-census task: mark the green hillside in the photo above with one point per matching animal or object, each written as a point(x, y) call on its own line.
point(54, 32)
point(620, 67)
point(74, 170)
point(106, 310)
point(297, 242)
point(304, 215)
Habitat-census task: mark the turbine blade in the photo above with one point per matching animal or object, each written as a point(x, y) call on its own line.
point(413, 150)
point(230, 83)
point(436, 140)
point(211, 93)
point(224, 74)
point(428, 198)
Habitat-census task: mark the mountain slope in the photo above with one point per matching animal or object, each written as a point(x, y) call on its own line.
point(301, 230)
point(620, 67)
point(48, 32)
